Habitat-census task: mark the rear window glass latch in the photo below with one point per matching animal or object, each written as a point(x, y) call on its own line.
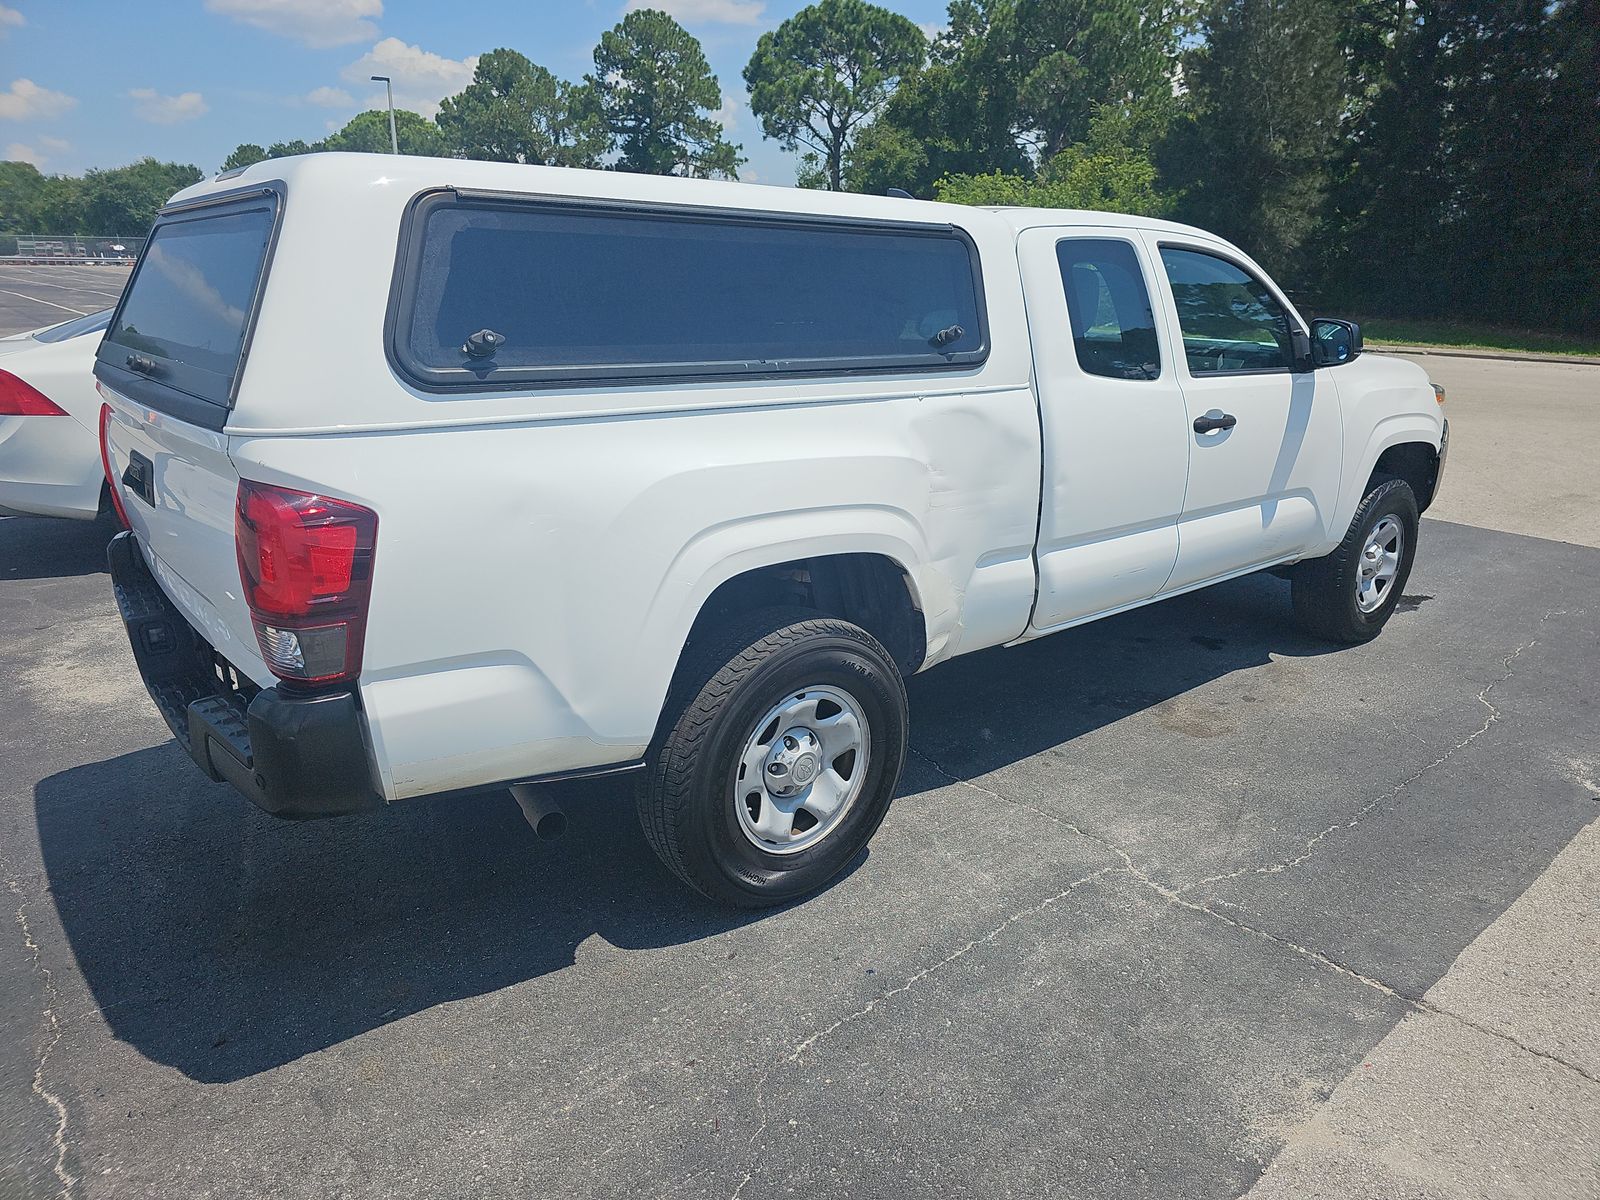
point(483, 344)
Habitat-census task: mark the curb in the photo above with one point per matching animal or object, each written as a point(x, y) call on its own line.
point(1579, 360)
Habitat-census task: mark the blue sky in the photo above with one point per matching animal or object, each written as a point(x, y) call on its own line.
point(97, 83)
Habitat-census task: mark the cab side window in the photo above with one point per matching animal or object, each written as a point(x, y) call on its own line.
point(1113, 325)
point(1231, 323)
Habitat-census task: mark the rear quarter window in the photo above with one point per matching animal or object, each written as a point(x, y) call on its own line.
point(583, 294)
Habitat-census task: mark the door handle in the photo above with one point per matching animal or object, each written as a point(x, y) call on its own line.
point(1210, 424)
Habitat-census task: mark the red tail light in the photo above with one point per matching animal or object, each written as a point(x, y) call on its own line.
point(20, 399)
point(105, 465)
point(306, 565)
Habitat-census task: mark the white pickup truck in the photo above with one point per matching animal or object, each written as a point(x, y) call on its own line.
point(444, 476)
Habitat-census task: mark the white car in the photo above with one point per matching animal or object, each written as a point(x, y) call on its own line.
point(446, 476)
point(49, 449)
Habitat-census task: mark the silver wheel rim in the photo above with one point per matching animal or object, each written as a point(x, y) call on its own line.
point(1380, 563)
point(801, 769)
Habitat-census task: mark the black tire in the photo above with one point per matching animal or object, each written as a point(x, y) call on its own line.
point(1324, 589)
point(725, 685)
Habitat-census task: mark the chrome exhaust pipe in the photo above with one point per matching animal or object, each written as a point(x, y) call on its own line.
point(541, 810)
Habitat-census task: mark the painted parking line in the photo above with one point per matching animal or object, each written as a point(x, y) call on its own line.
point(80, 287)
point(82, 280)
point(24, 296)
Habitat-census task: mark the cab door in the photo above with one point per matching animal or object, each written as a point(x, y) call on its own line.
point(1265, 435)
point(1116, 443)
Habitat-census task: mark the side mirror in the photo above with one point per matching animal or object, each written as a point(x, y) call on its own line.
point(1334, 341)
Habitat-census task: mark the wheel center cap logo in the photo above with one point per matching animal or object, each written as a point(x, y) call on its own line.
point(804, 769)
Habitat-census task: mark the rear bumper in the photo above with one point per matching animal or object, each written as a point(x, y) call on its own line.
point(295, 756)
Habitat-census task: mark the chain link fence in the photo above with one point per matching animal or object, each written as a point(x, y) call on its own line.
point(73, 248)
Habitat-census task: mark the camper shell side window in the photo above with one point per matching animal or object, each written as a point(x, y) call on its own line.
point(496, 291)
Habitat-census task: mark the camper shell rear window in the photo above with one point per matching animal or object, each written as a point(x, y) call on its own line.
point(181, 329)
point(575, 292)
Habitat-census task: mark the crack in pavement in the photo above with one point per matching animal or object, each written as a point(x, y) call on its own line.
point(1421, 1003)
point(1064, 822)
point(64, 1177)
point(796, 1054)
point(1311, 844)
point(1175, 896)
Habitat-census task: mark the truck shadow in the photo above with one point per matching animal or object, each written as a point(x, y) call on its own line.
point(223, 942)
point(51, 548)
point(985, 711)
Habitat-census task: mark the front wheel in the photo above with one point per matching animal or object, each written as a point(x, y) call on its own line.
point(1349, 595)
point(780, 764)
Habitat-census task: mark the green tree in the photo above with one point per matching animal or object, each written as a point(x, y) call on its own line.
point(245, 154)
point(368, 132)
point(292, 148)
point(1108, 172)
point(20, 187)
point(249, 153)
point(658, 99)
point(124, 200)
point(825, 73)
point(1057, 61)
point(1012, 83)
point(1035, 71)
point(1482, 124)
point(32, 202)
point(936, 124)
point(1254, 148)
point(516, 111)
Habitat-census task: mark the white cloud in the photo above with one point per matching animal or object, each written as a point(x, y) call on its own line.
point(152, 106)
point(10, 18)
point(932, 29)
point(721, 12)
point(421, 78)
point(317, 23)
point(330, 97)
point(25, 99)
point(728, 115)
point(48, 148)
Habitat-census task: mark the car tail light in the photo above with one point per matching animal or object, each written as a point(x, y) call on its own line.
point(21, 399)
point(105, 465)
point(306, 565)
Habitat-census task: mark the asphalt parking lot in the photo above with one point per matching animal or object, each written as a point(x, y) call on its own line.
point(31, 296)
point(1179, 904)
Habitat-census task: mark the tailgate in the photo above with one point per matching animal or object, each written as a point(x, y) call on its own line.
point(178, 487)
point(169, 370)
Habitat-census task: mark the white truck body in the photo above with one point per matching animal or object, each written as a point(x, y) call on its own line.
point(545, 551)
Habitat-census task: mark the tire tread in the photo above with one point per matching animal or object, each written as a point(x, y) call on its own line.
point(711, 672)
point(1320, 588)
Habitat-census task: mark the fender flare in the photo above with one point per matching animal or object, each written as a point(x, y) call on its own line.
point(1398, 429)
point(722, 552)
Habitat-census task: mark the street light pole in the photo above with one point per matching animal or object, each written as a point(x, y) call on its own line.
point(388, 86)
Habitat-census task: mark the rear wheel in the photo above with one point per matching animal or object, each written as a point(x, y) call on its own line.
point(1349, 595)
point(785, 751)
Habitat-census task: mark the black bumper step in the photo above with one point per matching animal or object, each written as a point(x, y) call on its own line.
point(295, 755)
